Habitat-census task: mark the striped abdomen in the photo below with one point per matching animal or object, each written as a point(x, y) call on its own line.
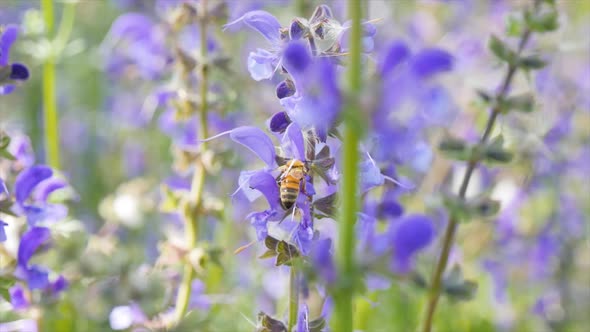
point(289, 191)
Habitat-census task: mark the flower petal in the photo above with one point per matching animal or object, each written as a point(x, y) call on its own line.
point(267, 185)
point(28, 179)
point(263, 22)
point(19, 72)
point(370, 174)
point(262, 64)
point(257, 141)
point(2, 231)
point(296, 58)
point(410, 235)
point(17, 298)
point(7, 38)
point(30, 242)
point(292, 142)
point(279, 122)
point(394, 56)
point(431, 61)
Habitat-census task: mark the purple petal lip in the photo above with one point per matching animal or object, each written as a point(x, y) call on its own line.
point(7, 38)
point(263, 22)
point(30, 242)
point(255, 140)
point(279, 122)
point(394, 56)
point(19, 72)
point(431, 61)
point(28, 179)
point(296, 57)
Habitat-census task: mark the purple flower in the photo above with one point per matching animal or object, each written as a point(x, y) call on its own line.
point(279, 122)
point(35, 276)
point(429, 62)
point(303, 319)
point(122, 317)
point(30, 242)
point(134, 39)
point(408, 236)
point(317, 101)
point(2, 231)
point(20, 147)
point(322, 260)
point(18, 298)
point(262, 64)
point(28, 179)
point(10, 72)
point(408, 104)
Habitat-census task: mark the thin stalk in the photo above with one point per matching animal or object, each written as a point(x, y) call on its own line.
point(198, 181)
point(344, 294)
point(293, 298)
point(51, 122)
point(449, 236)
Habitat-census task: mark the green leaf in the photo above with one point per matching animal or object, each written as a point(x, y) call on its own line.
point(268, 254)
point(485, 96)
point(468, 210)
point(5, 207)
point(456, 287)
point(7, 155)
point(484, 207)
point(317, 325)
point(5, 284)
point(269, 324)
point(4, 141)
point(171, 200)
point(522, 103)
point(531, 62)
point(497, 154)
point(455, 148)
point(501, 50)
point(542, 22)
point(514, 26)
point(326, 204)
point(271, 243)
point(285, 253)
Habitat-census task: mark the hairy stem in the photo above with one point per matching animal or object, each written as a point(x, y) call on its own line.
point(293, 298)
point(448, 239)
point(50, 117)
point(198, 182)
point(344, 293)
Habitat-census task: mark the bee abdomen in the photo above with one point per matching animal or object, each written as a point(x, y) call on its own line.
point(289, 192)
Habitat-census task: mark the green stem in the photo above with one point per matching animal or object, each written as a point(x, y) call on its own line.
point(448, 239)
point(198, 182)
point(49, 98)
point(293, 298)
point(344, 294)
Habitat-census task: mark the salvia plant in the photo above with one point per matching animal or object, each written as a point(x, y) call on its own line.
point(294, 166)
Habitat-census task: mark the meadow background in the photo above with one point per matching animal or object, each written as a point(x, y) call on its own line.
point(124, 154)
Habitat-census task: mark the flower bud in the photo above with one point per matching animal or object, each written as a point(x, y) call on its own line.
point(299, 28)
point(285, 89)
point(279, 122)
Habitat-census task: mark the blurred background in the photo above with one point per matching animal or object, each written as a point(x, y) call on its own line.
point(532, 261)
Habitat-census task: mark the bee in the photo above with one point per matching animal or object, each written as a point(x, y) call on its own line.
point(292, 174)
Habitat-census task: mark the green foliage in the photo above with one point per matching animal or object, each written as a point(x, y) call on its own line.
point(502, 50)
point(455, 148)
point(531, 62)
point(269, 324)
point(5, 284)
point(543, 22)
point(468, 210)
point(283, 251)
point(456, 287)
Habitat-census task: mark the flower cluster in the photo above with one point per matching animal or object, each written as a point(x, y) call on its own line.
point(310, 55)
